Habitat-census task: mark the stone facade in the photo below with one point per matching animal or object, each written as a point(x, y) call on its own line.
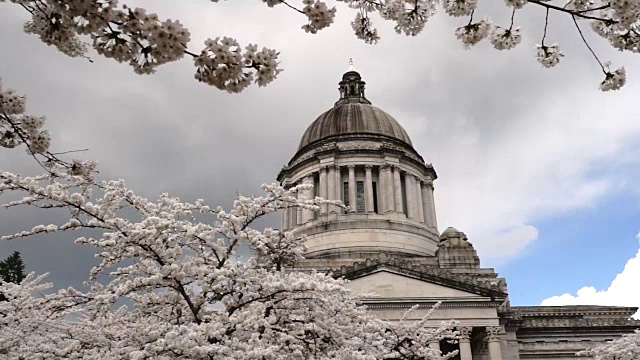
point(387, 242)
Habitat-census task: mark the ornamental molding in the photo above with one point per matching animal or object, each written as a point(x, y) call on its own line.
point(494, 333)
point(433, 274)
point(425, 304)
point(465, 334)
point(579, 323)
point(359, 146)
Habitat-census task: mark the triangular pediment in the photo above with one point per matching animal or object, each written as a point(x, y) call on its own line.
point(389, 275)
point(387, 284)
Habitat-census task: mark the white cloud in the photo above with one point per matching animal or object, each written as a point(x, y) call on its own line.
point(510, 242)
point(623, 291)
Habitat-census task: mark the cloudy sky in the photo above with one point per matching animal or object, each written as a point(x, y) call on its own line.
point(536, 165)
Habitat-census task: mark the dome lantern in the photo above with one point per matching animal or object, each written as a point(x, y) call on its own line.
point(351, 87)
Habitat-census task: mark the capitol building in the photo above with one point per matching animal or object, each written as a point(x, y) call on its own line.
point(388, 242)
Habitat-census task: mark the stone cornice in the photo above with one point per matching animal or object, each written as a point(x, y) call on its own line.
point(574, 310)
point(591, 323)
point(427, 273)
point(369, 303)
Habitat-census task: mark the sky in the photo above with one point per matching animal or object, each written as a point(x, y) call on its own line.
point(537, 166)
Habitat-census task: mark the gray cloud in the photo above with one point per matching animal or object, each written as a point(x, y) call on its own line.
point(512, 143)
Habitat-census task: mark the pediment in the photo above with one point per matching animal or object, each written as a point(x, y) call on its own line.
point(384, 275)
point(387, 284)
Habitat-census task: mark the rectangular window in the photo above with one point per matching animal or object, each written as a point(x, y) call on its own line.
point(345, 193)
point(360, 196)
point(375, 198)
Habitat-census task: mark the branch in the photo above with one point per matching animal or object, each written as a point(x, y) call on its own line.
point(581, 13)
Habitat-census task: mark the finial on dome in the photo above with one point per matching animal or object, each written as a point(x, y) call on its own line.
point(351, 68)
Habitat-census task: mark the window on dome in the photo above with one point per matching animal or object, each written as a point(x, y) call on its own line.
point(359, 206)
point(345, 193)
point(375, 198)
point(360, 196)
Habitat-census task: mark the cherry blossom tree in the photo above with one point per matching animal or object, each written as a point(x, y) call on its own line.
point(144, 41)
point(625, 348)
point(170, 283)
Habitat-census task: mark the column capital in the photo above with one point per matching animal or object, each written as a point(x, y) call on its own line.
point(494, 333)
point(395, 167)
point(368, 167)
point(324, 168)
point(427, 183)
point(351, 167)
point(465, 334)
point(385, 166)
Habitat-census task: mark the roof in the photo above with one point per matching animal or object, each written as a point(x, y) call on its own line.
point(353, 118)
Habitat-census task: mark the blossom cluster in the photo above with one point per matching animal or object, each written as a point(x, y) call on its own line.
point(505, 39)
point(548, 56)
point(17, 128)
point(472, 33)
point(223, 64)
point(319, 15)
point(134, 36)
point(364, 29)
point(614, 80)
point(144, 41)
point(410, 16)
point(459, 7)
point(625, 348)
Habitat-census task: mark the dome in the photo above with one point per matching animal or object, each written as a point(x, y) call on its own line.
point(353, 118)
point(353, 114)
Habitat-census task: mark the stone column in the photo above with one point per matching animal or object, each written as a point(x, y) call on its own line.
point(465, 343)
point(382, 185)
point(388, 188)
point(307, 215)
point(331, 182)
point(323, 189)
point(409, 187)
point(493, 337)
point(352, 188)
point(418, 200)
point(397, 189)
point(285, 218)
point(368, 189)
point(429, 204)
point(299, 210)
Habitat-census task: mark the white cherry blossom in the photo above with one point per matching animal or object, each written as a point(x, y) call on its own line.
point(473, 33)
point(614, 80)
point(505, 39)
point(548, 56)
point(625, 348)
point(459, 7)
point(142, 40)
